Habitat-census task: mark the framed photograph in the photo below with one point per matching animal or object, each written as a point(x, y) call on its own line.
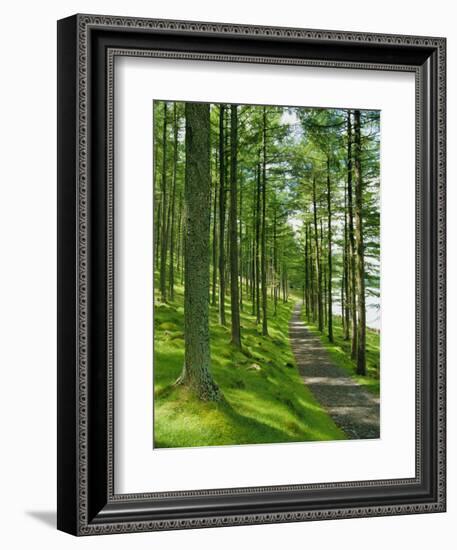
point(251, 280)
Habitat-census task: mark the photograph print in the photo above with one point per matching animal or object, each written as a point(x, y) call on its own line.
point(267, 306)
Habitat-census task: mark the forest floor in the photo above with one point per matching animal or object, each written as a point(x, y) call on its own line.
point(353, 409)
point(265, 400)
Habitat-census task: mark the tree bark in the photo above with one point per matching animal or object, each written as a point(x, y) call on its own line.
point(318, 272)
point(263, 244)
point(329, 257)
point(234, 289)
point(257, 242)
point(214, 285)
point(324, 277)
point(156, 195)
point(360, 262)
point(345, 309)
point(171, 275)
point(164, 229)
point(196, 371)
point(352, 274)
point(307, 277)
point(179, 238)
point(222, 198)
point(240, 248)
point(275, 263)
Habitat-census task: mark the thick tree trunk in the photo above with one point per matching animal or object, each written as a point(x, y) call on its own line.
point(263, 245)
point(329, 257)
point(233, 229)
point(352, 274)
point(222, 199)
point(360, 261)
point(196, 372)
point(164, 229)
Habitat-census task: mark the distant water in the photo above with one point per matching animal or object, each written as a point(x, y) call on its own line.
point(373, 312)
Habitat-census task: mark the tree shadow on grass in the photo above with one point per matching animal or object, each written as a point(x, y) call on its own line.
point(230, 427)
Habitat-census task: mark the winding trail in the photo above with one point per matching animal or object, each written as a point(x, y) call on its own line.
point(352, 408)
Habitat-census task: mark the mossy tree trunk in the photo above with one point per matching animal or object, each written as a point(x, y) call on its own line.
point(257, 241)
point(233, 229)
point(214, 284)
point(196, 371)
point(264, 231)
point(222, 200)
point(351, 267)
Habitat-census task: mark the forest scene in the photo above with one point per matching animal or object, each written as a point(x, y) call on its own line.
point(266, 274)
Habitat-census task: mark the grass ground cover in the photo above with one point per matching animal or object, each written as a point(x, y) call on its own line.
point(265, 398)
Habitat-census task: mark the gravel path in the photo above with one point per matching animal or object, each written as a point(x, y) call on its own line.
point(353, 409)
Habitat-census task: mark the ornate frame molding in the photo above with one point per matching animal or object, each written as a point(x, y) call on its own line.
point(79, 512)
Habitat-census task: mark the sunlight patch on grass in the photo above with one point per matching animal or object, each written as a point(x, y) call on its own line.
point(265, 398)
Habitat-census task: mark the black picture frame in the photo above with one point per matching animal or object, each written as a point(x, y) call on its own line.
point(87, 45)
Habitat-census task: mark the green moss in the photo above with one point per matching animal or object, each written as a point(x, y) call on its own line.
point(265, 398)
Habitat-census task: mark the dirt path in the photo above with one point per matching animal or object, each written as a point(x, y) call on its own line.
point(353, 409)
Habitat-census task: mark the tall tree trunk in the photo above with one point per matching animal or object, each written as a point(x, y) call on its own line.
point(345, 309)
point(257, 242)
point(226, 187)
point(179, 236)
point(253, 246)
point(312, 290)
point(329, 258)
point(324, 276)
point(196, 372)
point(164, 229)
point(275, 263)
point(171, 275)
point(318, 272)
point(306, 292)
point(156, 195)
point(183, 238)
point(263, 245)
point(360, 261)
point(240, 260)
point(234, 290)
point(352, 274)
point(214, 285)
point(158, 236)
point(222, 198)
